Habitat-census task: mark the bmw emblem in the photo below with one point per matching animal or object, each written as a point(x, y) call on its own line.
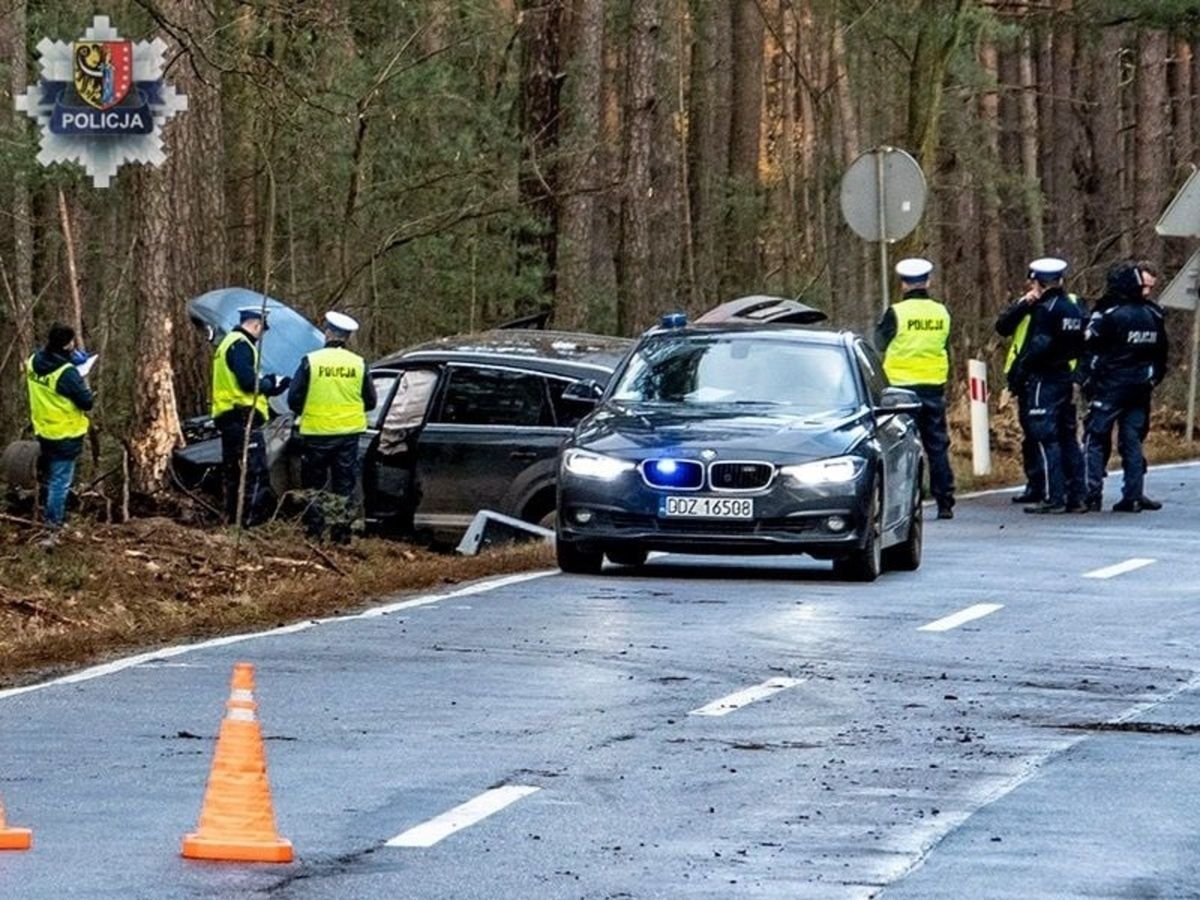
point(708, 455)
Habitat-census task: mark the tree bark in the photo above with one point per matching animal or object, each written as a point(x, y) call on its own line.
point(637, 308)
point(745, 136)
point(1031, 188)
point(582, 180)
point(989, 119)
point(1150, 140)
point(22, 208)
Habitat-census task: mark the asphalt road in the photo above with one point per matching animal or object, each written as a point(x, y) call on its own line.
point(1045, 748)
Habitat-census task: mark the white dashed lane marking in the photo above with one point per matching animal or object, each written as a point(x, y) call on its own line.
point(970, 614)
point(725, 705)
point(463, 816)
point(1120, 568)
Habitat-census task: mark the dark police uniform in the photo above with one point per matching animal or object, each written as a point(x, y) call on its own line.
point(1014, 323)
point(1126, 343)
point(914, 337)
point(237, 407)
point(331, 393)
point(1047, 362)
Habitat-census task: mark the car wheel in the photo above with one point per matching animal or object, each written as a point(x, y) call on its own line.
point(865, 563)
point(576, 560)
point(628, 557)
point(906, 556)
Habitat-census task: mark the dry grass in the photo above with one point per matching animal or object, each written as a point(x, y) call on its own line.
point(113, 588)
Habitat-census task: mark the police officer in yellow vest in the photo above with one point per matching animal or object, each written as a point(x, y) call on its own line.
point(239, 404)
point(332, 393)
point(914, 338)
point(58, 402)
point(1014, 323)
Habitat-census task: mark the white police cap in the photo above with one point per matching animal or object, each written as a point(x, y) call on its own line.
point(341, 322)
point(251, 312)
point(1048, 268)
point(914, 269)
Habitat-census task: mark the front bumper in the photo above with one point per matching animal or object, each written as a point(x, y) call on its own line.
point(787, 518)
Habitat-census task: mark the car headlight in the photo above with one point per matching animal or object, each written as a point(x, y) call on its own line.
point(837, 470)
point(586, 464)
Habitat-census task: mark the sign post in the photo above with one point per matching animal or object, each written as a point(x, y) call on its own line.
point(981, 441)
point(1182, 219)
point(883, 198)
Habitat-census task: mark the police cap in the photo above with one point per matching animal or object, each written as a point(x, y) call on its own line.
point(914, 270)
point(251, 313)
point(340, 322)
point(1048, 268)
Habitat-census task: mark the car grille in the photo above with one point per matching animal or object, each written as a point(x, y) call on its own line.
point(724, 527)
point(740, 476)
point(686, 475)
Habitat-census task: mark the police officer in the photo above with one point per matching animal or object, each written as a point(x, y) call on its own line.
point(239, 407)
point(1047, 361)
point(332, 394)
point(1014, 323)
point(914, 338)
point(1126, 344)
point(59, 400)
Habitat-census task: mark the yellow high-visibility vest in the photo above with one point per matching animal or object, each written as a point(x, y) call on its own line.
point(227, 394)
point(1018, 340)
point(918, 354)
point(54, 416)
point(334, 405)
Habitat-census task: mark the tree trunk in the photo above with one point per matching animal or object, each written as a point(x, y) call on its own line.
point(745, 135)
point(583, 140)
point(709, 116)
point(1031, 188)
point(1150, 148)
point(22, 209)
point(989, 119)
point(541, 79)
point(637, 308)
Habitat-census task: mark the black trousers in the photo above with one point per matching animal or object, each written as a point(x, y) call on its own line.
point(258, 486)
point(1054, 424)
point(1128, 408)
point(329, 474)
point(1031, 458)
point(935, 438)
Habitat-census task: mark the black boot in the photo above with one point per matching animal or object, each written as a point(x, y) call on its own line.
point(1127, 505)
point(1028, 496)
point(1148, 504)
point(1047, 509)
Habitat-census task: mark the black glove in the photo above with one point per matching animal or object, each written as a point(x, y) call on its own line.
point(281, 384)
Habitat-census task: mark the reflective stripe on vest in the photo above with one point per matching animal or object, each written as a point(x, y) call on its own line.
point(54, 416)
point(334, 404)
point(917, 354)
point(227, 394)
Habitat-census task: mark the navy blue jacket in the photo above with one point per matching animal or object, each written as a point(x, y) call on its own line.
point(240, 358)
point(298, 392)
point(72, 386)
point(1126, 344)
point(1054, 338)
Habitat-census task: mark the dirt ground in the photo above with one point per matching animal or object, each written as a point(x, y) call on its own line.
point(111, 588)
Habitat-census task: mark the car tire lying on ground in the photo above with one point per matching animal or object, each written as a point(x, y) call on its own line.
point(577, 561)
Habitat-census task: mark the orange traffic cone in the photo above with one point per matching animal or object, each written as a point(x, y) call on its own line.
point(237, 822)
point(13, 838)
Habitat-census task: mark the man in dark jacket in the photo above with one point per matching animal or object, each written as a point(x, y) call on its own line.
point(1048, 359)
point(58, 402)
point(332, 393)
point(1013, 323)
point(239, 410)
point(1126, 345)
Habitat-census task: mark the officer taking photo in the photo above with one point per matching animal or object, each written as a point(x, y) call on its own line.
point(914, 338)
point(1047, 362)
point(332, 394)
point(1126, 347)
point(1013, 323)
point(239, 410)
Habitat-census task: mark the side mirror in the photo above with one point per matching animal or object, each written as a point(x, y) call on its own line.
point(898, 400)
point(587, 393)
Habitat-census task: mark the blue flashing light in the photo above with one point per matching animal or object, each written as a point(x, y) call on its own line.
point(671, 473)
point(674, 320)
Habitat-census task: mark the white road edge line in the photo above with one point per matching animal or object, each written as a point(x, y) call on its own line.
point(970, 614)
point(725, 705)
point(128, 662)
point(463, 816)
point(1130, 565)
point(992, 492)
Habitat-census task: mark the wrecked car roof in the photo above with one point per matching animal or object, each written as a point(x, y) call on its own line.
point(565, 347)
point(285, 343)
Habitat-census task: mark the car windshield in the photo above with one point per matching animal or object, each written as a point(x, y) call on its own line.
point(743, 370)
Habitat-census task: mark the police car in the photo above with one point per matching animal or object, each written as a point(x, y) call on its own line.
point(745, 438)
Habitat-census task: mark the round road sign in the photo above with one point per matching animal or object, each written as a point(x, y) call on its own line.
point(903, 194)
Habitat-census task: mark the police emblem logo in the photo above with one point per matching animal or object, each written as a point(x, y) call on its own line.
point(102, 101)
point(103, 72)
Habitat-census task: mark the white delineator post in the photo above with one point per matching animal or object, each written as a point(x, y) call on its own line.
point(981, 440)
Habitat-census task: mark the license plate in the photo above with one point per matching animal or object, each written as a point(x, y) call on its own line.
point(707, 508)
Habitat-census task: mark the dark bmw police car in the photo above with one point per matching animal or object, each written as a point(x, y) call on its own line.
point(745, 439)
